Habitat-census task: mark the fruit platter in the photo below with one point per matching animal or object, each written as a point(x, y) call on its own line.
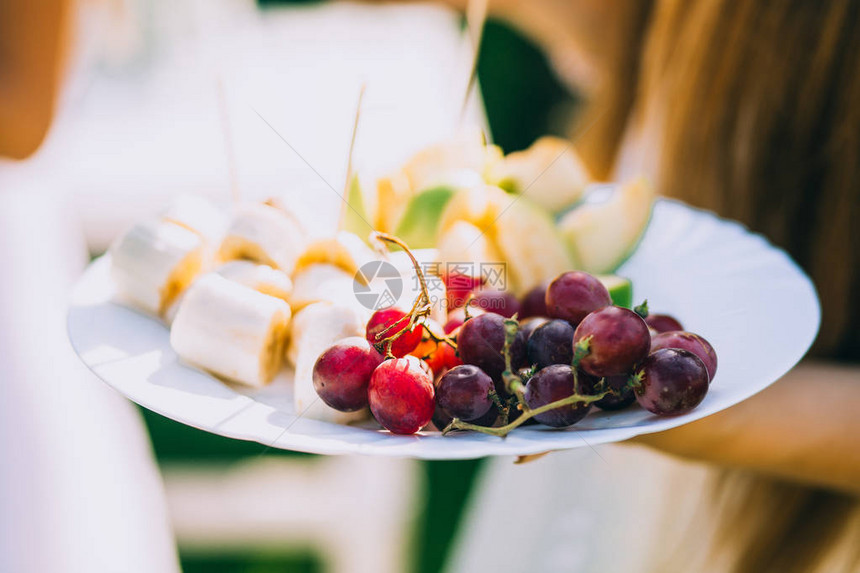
point(469, 303)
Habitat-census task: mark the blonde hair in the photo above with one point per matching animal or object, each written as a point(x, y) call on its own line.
point(757, 108)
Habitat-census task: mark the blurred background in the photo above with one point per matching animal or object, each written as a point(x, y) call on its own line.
point(138, 122)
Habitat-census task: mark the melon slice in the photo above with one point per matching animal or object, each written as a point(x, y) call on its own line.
point(604, 235)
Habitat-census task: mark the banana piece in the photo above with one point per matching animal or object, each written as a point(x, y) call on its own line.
point(265, 234)
point(198, 215)
point(153, 262)
point(231, 330)
point(322, 282)
point(549, 173)
point(314, 329)
point(345, 251)
point(261, 278)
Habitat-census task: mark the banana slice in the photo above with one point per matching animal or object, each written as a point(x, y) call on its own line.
point(549, 173)
point(231, 330)
point(322, 282)
point(198, 215)
point(153, 262)
point(345, 250)
point(314, 329)
point(261, 278)
point(265, 234)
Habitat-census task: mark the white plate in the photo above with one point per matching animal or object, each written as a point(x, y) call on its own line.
point(746, 297)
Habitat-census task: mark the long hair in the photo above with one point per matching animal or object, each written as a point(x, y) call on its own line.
point(756, 110)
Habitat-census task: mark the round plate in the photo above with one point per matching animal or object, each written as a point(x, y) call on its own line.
point(749, 299)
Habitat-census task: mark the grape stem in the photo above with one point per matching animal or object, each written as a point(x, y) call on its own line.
point(513, 383)
point(528, 413)
point(420, 308)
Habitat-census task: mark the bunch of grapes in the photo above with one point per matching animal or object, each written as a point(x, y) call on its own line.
point(486, 371)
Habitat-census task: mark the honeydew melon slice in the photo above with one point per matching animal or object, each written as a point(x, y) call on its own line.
point(620, 289)
point(524, 234)
point(549, 172)
point(604, 235)
point(419, 226)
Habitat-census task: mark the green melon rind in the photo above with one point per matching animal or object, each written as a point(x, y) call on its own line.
point(620, 289)
point(419, 226)
point(355, 218)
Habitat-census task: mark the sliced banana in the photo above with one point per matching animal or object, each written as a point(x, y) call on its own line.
point(198, 215)
point(549, 173)
point(153, 262)
point(265, 234)
point(231, 330)
point(261, 278)
point(314, 329)
point(322, 282)
point(345, 250)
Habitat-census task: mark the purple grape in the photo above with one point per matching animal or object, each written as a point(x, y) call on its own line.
point(548, 385)
point(498, 301)
point(481, 342)
point(618, 341)
point(528, 326)
point(464, 392)
point(672, 381)
point(551, 343)
point(575, 294)
point(533, 302)
point(622, 399)
point(663, 322)
point(342, 373)
point(440, 418)
point(690, 342)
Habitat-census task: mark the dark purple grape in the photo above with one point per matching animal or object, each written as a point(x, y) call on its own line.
point(548, 385)
point(533, 302)
point(623, 397)
point(671, 382)
point(575, 294)
point(342, 373)
point(551, 343)
point(691, 342)
point(440, 418)
point(498, 301)
point(529, 325)
point(663, 322)
point(481, 342)
point(488, 419)
point(464, 392)
point(619, 340)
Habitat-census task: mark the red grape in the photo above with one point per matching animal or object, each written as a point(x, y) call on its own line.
point(457, 317)
point(573, 295)
point(341, 373)
point(498, 301)
point(618, 341)
point(464, 392)
point(458, 287)
point(382, 319)
point(401, 395)
point(671, 382)
point(481, 342)
point(533, 302)
point(548, 385)
point(690, 342)
point(662, 322)
point(551, 343)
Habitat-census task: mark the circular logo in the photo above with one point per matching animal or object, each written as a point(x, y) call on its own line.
point(377, 285)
